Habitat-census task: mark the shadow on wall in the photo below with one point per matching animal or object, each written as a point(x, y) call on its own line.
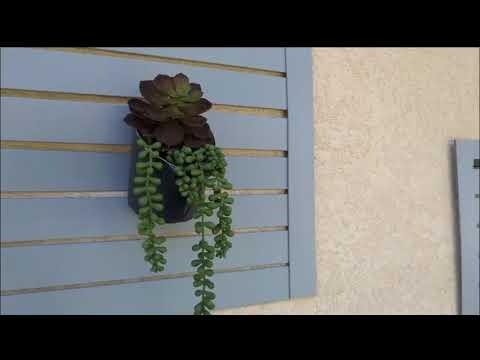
point(456, 224)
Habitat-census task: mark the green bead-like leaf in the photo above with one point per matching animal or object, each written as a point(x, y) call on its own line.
point(141, 165)
point(195, 263)
point(139, 180)
point(141, 142)
point(158, 207)
point(209, 295)
point(143, 210)
point(162, 249)
point(195, 247)
point(227, 186)
point(209, 272)
point(157, 197)
point(198, 227)
point(209, 284)
point(156, 145)
point(229, 201)
point(212, 205)
point(155, 181)
point(143, 201)
point(160, 240)
point(198, 293)
point(210, 305)
point(157, 165)
point(142, 154)
point(210, 225)
point(209, 212)
point(151, 189)
point(139, 190)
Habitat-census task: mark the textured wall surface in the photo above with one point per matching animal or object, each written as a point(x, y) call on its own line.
point(385, 213)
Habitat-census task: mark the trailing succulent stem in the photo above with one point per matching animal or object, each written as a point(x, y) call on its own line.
point(150, 203)
point(199, 171)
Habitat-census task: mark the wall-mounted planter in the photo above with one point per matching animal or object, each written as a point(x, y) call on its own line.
point(176, 208)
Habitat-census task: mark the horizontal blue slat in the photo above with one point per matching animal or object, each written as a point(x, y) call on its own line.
point(35, 219)
point(173, 296)
point(31, 170)
point(262, 58)
point(70, 121)
point(40, 266)
point(38, 69)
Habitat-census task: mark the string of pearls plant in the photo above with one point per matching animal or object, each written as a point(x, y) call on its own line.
point(201, 180)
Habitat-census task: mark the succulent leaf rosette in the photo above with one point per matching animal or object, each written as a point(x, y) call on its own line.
point(170, 112)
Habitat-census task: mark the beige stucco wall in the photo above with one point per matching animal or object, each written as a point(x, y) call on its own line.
point(385, 230)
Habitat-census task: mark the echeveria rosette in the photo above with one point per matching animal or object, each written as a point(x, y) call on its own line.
point(171, 112)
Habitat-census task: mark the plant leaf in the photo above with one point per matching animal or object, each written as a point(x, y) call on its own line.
point(196, 108)
point(164, 84)
point(151, 93)
point(170, 133)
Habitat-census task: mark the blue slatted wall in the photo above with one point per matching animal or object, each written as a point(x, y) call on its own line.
point(68, 237)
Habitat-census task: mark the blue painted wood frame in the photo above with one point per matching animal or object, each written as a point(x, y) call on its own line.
point(301, 206)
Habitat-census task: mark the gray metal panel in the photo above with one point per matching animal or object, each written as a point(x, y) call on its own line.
point(38, 219)
point(262, 58)
point(468, 182)
point(160, 297)
point(38, 69)
point(40, 266)
point(30, 170)
point(83, 122)
point(301, 207)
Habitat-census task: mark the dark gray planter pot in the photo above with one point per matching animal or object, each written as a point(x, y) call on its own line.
point(176, 208)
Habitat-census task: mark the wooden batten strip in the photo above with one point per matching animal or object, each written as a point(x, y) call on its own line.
point(133, 280)
point(59, 146)
point(167, 59)
point(61, 194)
point(110, 148)
point(116, 194)
point(106, 99)
point(131, 237)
